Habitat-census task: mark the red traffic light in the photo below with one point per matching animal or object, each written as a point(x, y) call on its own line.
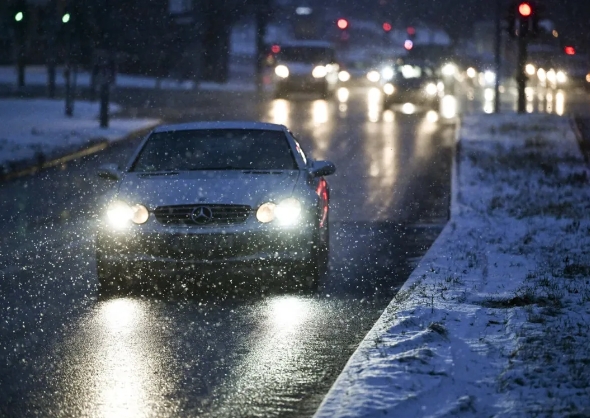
point(387, 26)
point(525, 10)
point(342, 23)
point(275, 49)
point(570, 50)
point(411, 30)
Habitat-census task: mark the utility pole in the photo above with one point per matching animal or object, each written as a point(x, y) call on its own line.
point(20, 18)
point(67, 25)
point(498, 52)
point(106, 70)
point(523, 22)
point(521, 76)
point(51, 60)
point(263, 11)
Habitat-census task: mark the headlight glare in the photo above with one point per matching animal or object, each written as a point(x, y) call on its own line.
point(388, 89)
point(282, 71)
point(266, 213)
point(344, 76)
point(319, 71)
point(431, 89)
point(288, 211)
point(119, 214)
point(387, 73)
point(373, 76)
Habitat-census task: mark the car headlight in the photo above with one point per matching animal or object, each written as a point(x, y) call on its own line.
point(530, 69)
point(471, 73)
point(282, 71)
point(319, 72)
point(449, 69)
point(388, 89)
point(344, 76)
point(561, 77)
point(431, 89)
point(387, 73)
point(287, 212)
point(490, 77)
point(373, 76)
point(120, 213)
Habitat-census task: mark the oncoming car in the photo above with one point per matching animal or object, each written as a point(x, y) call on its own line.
point(305, 66)
point(414, 83)
point(215, 195)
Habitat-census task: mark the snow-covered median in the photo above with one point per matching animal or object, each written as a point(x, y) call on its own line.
point(32, 130)
point(495, 321)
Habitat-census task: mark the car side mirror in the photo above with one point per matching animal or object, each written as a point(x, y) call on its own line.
point(322, 168)
point(109, 172)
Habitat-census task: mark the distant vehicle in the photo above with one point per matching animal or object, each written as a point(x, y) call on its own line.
point(555, 69)
point(413, 82)
point(305, 66)
point(215, 195)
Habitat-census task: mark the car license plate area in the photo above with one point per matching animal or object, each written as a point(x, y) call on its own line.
point(201, 244)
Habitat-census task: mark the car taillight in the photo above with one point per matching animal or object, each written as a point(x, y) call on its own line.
point(322, 191)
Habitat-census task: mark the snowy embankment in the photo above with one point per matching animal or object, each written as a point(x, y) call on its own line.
point(495, 321)
point(32, 131)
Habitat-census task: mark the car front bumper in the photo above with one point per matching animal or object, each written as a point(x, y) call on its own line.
point(175, 249)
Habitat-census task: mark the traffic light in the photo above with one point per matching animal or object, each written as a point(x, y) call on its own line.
point(342, 24)
point(387, 27)
point(66, 18)
point(411, 33)
point(523, 19)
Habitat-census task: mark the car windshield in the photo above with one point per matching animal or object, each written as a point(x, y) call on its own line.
point(306, 54)
point(215, 149)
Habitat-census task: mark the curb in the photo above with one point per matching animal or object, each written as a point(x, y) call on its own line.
point(94, 145)
point(336, 392)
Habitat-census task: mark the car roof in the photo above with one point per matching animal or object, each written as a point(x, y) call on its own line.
point(308, 44)
point(192, 126)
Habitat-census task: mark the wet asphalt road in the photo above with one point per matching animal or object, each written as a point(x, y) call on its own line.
point(228, 349)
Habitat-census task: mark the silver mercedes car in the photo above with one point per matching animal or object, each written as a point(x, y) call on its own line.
point(213, 196)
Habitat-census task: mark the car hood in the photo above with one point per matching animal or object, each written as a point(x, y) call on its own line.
point(221, 187)
point(299, 68)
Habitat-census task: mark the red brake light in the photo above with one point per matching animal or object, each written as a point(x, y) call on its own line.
point(570, 50)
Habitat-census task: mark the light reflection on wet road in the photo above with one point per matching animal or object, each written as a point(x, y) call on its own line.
point(219, 352)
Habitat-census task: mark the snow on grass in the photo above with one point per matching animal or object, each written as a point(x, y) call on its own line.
point(495, 321)
point(37, 76)
point(33, 129)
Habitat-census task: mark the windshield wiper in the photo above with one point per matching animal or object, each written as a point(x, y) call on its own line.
point(158, 173)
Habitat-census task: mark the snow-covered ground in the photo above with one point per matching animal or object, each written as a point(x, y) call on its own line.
point(495, 321)
point(37, 76)
point(30, 129)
